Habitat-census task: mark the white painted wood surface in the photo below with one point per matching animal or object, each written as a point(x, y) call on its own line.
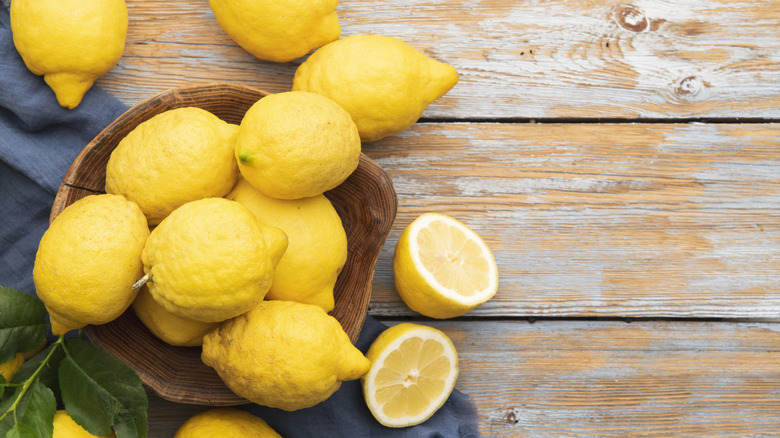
point(618, 220)
point(653, 220)
point(605, 379)
point(655, 59)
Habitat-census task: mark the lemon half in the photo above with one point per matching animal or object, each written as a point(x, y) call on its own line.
point(442, 268)
point(413, 371)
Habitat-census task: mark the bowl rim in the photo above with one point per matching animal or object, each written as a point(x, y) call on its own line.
point(70, 190)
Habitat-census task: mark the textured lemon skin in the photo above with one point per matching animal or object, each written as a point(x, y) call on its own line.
point(69, 43)
point(417, 292)
point(279, 31)
point(208, 261)
point(317, 247)
point(65, 427)
point(283, 354)
point(171, 329)
point(225, 422)
point(88, 260)
point(382, 82)
point(295, 145)
point(387, 342)
point(175, 157)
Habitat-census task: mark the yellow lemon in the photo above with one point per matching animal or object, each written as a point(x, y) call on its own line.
point(225, 422)
point(170, 328)
point(283, 354)
point(88, 260)
point(208, 260)
point(9, 368)
point(70, 43)
point(317, 247)
point(277, 30)
point(413, 372)
point(65, 427)
point(175, 157)
point(382, 82)
point(295, 145)
point(442, 268)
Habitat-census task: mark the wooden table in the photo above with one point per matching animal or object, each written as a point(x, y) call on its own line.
point(623, 162)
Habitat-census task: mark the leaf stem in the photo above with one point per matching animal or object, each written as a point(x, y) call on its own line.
point(26, 386)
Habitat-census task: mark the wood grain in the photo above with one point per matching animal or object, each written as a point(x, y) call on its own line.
point(535, 59)
point(605, 379)
point(623, 220)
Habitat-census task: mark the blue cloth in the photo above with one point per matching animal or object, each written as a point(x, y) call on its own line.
point(38, 141)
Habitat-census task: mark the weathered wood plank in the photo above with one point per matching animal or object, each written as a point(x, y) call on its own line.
point(596, 220)
point(534, 59)
point(605, 379)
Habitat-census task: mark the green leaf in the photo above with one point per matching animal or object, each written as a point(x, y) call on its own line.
point(48, 375)
point(2, 386)
point(22, 431)
point(35, 410)
point(22, 323)
point(99, 392)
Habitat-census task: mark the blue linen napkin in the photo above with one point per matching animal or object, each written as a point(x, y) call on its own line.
point(38, 141)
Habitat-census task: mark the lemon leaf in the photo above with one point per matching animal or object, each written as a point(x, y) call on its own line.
point(21, 431)
point(48, 374)
point(22, 323)
point(99, 392)
point(34, 413)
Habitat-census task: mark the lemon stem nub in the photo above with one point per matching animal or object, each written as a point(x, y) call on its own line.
point(142, 281)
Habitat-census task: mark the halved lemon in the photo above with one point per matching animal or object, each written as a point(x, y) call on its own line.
point(413, 371)
point(442, 268)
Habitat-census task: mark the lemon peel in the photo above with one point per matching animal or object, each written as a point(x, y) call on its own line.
point(88, 260)
point(382, 82)
point(70, 43)
point(283, 354)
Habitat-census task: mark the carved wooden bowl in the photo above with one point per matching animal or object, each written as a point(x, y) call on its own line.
point(366, 203)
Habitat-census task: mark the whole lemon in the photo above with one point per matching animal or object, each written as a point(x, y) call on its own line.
point(175, 157)
point(225, 422)
point(170, 328)
point(283, 354)
point(65, 427)
point(278, 30)
point(382, 82)
point(296, 144)
point(208, 260)
point(88, 260)
point(317, 247)
point(70, 43)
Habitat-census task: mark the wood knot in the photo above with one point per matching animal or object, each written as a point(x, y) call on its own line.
point(631, 18)
point(689, 86)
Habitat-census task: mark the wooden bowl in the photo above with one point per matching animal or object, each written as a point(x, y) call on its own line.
point(366, 203)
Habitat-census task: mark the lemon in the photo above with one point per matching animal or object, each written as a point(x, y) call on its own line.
point(382, 82)
point(208, 260)
point(88, 260)
point(413, 372)
point(9, 368)
point(70, 43)
point(170, 328)
point(317, 247)
point(177, 156)
point(225, 422)
point(65, 427)
point(278, 30)
point(295, 145)
point(283, 354)
point(442, 268)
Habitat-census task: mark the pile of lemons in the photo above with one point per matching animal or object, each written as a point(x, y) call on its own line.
point(219, 235)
